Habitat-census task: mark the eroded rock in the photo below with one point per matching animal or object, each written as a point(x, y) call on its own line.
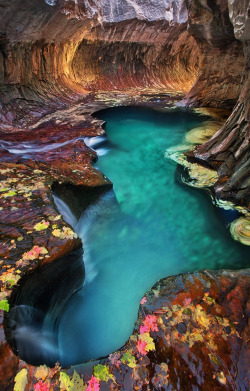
point(191, 332)
point(55, 53)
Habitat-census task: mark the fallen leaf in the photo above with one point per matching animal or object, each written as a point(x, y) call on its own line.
point(93, 384)
point(40, 386)
point(21, 380)
point(41, 372)
point(129, 359)
point(41, 226)
point(4, 305)
point(101, 372)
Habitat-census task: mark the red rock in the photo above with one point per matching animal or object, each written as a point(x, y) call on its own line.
point(59, 63)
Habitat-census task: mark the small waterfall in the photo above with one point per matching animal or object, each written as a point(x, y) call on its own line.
point(65, 211)
point(97, 211)
point(26, 325)
point(29, 147)
point(99, 144)
point(36, 308)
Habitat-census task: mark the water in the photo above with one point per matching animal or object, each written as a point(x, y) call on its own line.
point(149, 227)
point(28, 148)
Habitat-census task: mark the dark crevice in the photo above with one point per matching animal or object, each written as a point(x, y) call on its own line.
point(78, 197)
point(34, 298)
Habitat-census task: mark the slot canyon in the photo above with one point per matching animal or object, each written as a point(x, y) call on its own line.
point(67, 67)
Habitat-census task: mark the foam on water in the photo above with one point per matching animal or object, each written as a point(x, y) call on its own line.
point(65, 210)
point(30, 147)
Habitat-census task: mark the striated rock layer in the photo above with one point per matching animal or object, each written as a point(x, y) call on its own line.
point(54, 52)
point(60, 60)
point(228, 150)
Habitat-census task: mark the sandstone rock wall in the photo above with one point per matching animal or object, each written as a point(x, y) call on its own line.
point(77, 45)
point(48, 46)
point(167, 60)
point(228, 151)
point(53, 52)
point(223, 61)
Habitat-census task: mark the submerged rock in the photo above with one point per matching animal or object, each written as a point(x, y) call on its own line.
point(240, 230)
point(199, 176)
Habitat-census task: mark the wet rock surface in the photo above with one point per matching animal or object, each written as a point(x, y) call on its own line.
point(228, 150)
point(32, 162)
point(53, 53)
point(191, 333)
point(202, 333)
point(60, 61)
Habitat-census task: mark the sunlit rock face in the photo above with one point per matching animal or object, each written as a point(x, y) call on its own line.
point(139, 62)
point(117, 11)
point(55, 48)
point(70, 46)
point(54, 52)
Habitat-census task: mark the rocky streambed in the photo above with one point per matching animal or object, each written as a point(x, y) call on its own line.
point(60, 61)
point(180, 319)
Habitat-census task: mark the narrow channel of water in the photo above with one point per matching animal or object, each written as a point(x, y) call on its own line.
point(148, 227)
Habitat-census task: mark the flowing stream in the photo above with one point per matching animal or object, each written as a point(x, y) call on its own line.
point(148, 227)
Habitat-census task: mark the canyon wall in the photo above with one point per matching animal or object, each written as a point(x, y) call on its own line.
point(75, 46)
point(228, 151)
point(55, 57)
point(57, 46)
point(54, 52)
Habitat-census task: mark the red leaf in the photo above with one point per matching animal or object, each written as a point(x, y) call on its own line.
point(141, 347)
point(40, 386)
point(93, 384)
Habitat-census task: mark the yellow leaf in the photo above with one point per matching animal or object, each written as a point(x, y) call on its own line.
point(201, 317)
point(9, 194)
point(77, 383)
point(222, 378)
point(56, 232)
point(149, 341)
point(197, 337)
point(65, 382)
point(212, 345)
point(21, 380)
point(41, 372)
point(41, 226)
point(43, 250)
